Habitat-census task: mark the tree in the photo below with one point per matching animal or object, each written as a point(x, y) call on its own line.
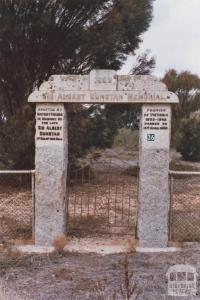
point(144, 64)
point(188, 141)
point(184, 127)
point(128, 115)
point(17, 140)
point(187, 87)
point(39, 38)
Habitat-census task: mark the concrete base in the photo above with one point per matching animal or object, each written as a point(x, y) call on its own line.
point(33, 249)
point(102, 246)
point(157, 250)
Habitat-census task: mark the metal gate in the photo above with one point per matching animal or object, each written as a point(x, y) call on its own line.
point(185, 206)
point(102, 198)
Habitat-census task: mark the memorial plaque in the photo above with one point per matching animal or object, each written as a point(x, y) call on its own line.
point(156, 126)
point(49, 124)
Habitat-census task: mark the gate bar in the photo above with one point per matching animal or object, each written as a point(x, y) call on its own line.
point(184, 173)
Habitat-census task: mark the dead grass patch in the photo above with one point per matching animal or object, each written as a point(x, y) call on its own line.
point(60, 242)
point(64, 274)
point(8, 294)
point(87, 225)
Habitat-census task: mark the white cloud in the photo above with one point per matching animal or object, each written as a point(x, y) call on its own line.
point(174, 36)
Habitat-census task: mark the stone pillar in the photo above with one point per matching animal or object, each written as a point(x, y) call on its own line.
point(154, 196)
point(51, 172)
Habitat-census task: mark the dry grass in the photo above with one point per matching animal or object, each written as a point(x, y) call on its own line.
point(15, 213)
point(87, 225)
point(15, 228)
point(131, 244)
point(7, 294)
point(128, 287)
point(127, 291)
point(60, 242)
point(64, 274)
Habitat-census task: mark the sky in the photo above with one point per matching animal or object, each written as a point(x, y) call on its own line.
point(173, 37)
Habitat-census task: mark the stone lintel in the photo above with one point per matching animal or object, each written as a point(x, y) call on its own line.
point(103, 86)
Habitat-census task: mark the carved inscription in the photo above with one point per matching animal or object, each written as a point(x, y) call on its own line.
point(156, 126)
point(49, 123)
point(156, 119)
point(106, 97)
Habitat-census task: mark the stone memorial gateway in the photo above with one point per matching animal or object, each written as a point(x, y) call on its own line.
point(102, 86)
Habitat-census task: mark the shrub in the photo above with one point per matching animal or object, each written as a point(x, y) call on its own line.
point(188, 140)
point(127, 138)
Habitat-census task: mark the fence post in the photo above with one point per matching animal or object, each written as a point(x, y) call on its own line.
point(171, 205)
point(33, 203)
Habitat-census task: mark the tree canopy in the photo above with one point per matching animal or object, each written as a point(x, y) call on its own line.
point(185, 126)
point(187, 87)
point(39, 38)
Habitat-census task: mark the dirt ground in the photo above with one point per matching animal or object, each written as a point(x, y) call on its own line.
point(91, 276)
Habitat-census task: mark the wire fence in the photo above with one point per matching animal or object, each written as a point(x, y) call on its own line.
point(17, 204)
point(185, 206)
point(102, 198)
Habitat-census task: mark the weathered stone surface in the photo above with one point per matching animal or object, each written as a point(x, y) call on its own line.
point(51, 173)
point(103, 80)
point(140, 83)
point(104, 97)
point(67, 83)
point(103, 86)
point(153, 206)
